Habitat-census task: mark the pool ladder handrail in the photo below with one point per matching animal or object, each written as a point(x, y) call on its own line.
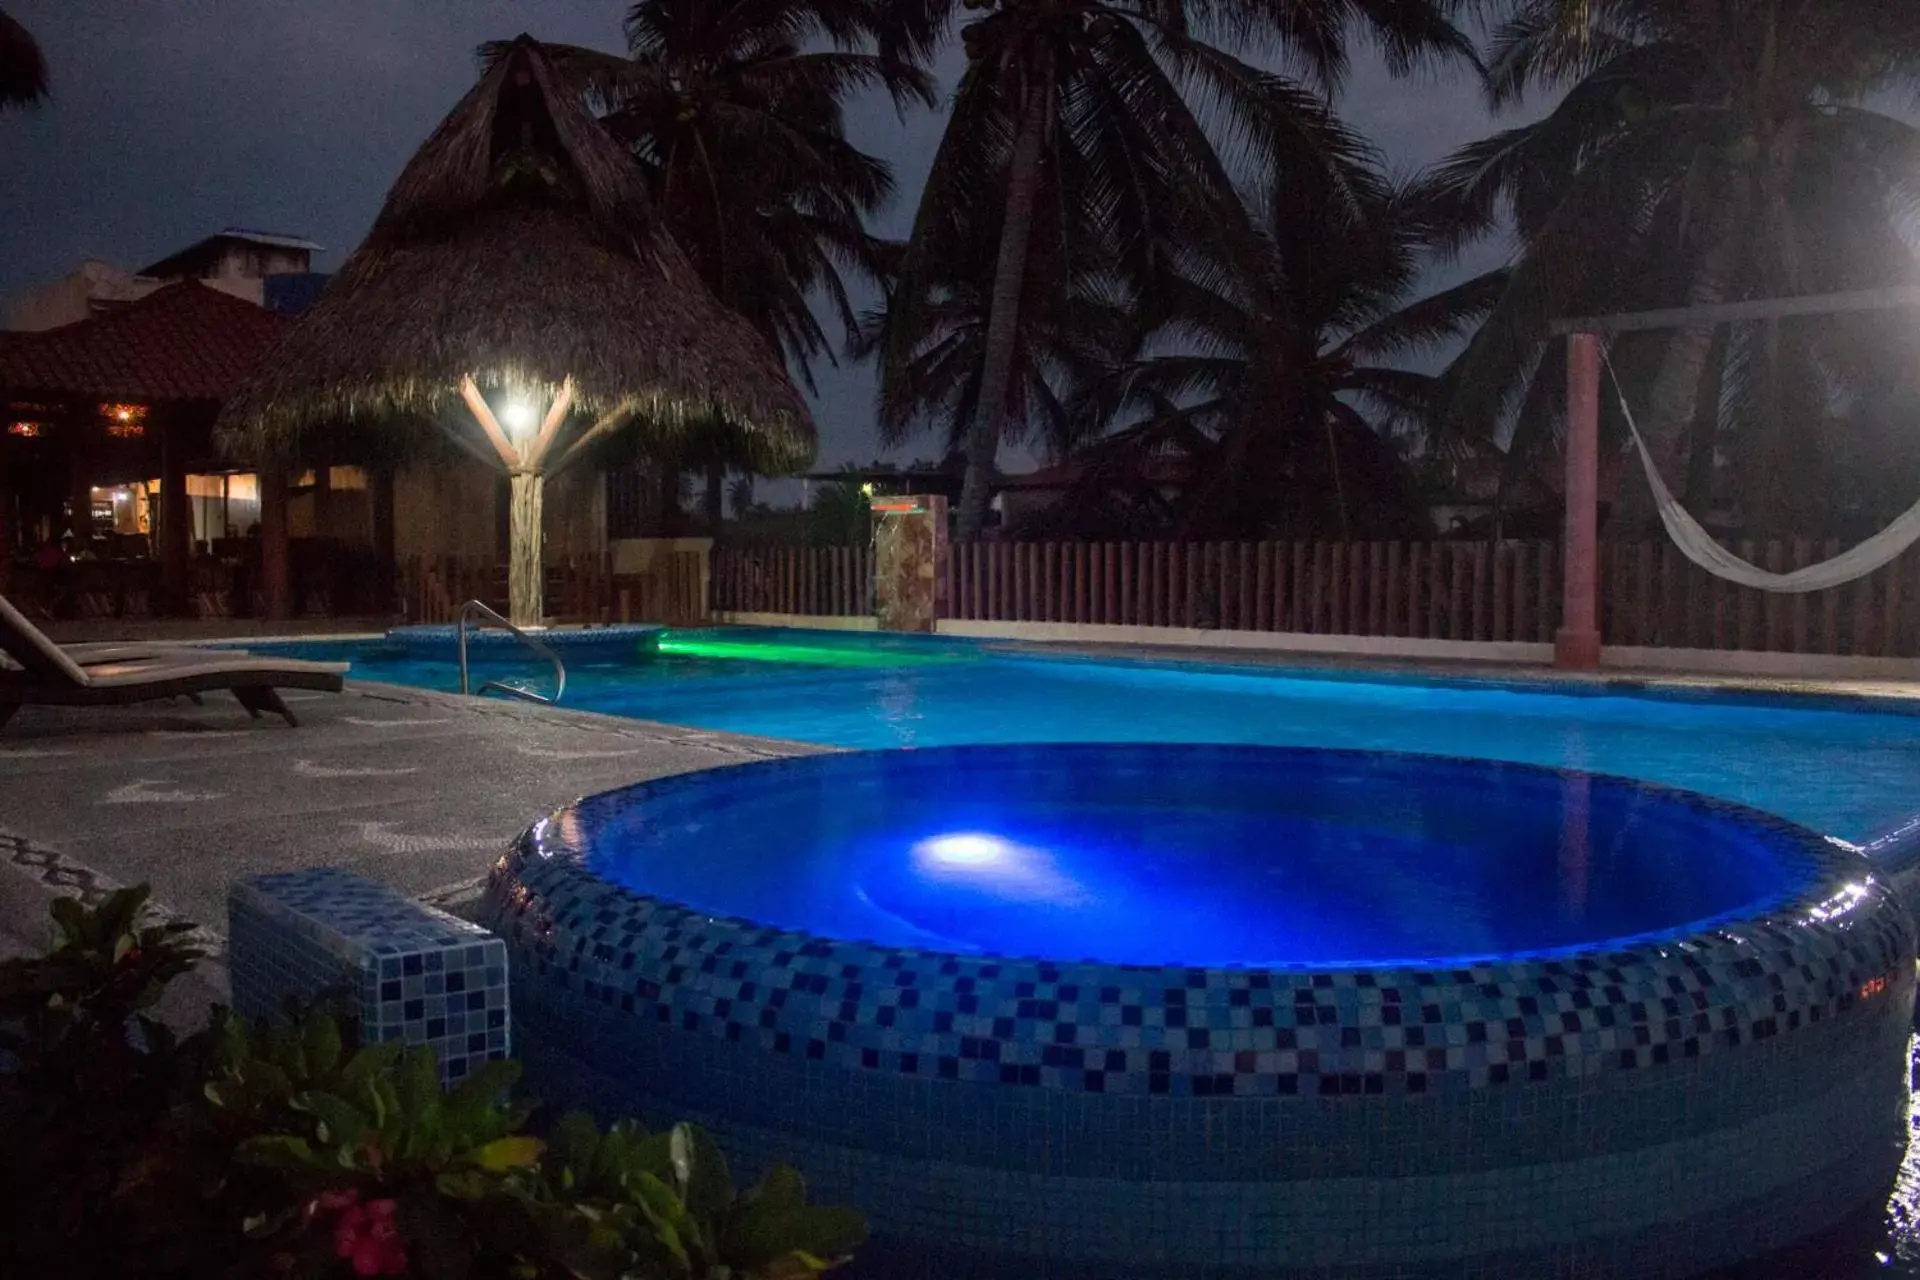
point(474, 607)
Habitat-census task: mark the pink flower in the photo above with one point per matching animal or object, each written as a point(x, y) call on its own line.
point(368, 1237)
point(369, 1259)
point(348, 1233)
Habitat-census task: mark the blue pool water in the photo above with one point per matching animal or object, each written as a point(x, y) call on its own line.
point(1165, 854)
point(1843, 772)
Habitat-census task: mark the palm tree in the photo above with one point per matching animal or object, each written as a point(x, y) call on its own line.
point(23, 72)
point(1076, 324)
point(1270, 368)
point(735, 113)
point(1701, 153)
point(1076, 112)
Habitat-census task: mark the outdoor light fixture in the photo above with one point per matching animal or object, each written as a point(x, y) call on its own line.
point(25, 430)
point(125, 421)
point(519, 418)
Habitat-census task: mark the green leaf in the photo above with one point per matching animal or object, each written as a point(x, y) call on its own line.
point(467, 1184)
point(665, 1214)
point(418, 1080)
point(278, 1151)
point(369, 1062)
point(123, 944)
point(260, 1226)
point(680, 1152)
point(782, 1190)
point(829, 1231)
point(69, 919)
point(707, 1185)
point(321, 1041)
point(576, 1140)
point(774, 1220)
point(635, 1151)
point(268, 1078)
point(798, 1265)
point(503, 1154)
point(348, 1125)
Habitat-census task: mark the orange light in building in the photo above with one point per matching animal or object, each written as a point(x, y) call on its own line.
point(125, 421)
point(25, 430)
point(1873, 987)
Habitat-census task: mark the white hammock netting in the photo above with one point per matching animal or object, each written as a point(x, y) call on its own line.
point(1697, 544)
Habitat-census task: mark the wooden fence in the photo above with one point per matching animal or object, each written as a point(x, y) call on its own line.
point(582, 589)
point(1653, 596)
point(1481, 591)
point(811, 581)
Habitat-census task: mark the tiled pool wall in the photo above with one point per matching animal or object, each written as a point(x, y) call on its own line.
point(410, 971)
point(1641, 1113)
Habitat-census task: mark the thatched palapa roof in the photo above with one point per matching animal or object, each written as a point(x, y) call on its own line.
point(519, 245)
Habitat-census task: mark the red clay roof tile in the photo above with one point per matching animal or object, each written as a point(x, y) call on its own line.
point(184, 341)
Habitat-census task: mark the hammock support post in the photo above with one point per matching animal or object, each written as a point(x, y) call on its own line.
point(1577, 645)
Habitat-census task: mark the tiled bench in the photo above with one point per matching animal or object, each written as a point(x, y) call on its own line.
point(416, 973)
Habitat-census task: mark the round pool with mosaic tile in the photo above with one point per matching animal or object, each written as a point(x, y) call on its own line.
point(1115, 1011)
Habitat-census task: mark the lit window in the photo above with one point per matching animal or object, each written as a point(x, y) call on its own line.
point(25, 430)
point(125, 421)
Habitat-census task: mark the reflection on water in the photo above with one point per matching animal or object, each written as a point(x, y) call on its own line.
point(1576, 824)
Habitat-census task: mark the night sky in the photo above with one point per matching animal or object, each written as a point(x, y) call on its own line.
point(170, 120)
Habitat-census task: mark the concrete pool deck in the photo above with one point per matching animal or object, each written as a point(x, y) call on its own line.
point(418, 790)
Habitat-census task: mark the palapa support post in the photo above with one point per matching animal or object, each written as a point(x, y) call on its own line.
point(176, 524)
point(526, 572)
point(276, 586)
point(526, 579)
point(1577, 647)
point(385, 564)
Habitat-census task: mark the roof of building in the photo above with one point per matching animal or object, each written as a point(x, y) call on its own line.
point(520, 248)
point(179, 343)
point(266, 239)
point(1156, 471)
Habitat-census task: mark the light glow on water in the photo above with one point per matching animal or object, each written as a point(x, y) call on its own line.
point(964, 864)
point(969, 849)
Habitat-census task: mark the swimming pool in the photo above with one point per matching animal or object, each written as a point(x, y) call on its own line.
point(1840, 770)
point(1131, 1012)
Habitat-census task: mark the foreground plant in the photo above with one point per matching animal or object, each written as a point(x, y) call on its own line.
point(295, 1151)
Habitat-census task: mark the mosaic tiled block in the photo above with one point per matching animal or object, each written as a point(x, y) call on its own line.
point(416, 974)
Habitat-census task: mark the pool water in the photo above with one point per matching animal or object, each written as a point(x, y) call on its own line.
point(1213, 857)
point(1836, 768)
point(1843, 772)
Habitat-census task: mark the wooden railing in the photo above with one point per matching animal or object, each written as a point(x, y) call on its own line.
point(811, 581)
point(1439, 591)
point(1475, 591)
point(1652, 596)
point(581, 589)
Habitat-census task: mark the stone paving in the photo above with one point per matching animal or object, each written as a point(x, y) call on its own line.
point(417, 789)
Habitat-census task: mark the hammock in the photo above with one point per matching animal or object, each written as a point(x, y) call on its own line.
point(1697, 544)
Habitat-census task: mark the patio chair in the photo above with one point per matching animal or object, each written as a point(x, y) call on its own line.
point(50, 677)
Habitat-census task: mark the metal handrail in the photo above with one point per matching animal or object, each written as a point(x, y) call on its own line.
point(473, 607)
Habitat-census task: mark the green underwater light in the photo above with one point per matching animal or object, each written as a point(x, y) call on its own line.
point(697, 646)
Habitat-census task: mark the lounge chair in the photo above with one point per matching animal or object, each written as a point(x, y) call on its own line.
point(50, 677)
